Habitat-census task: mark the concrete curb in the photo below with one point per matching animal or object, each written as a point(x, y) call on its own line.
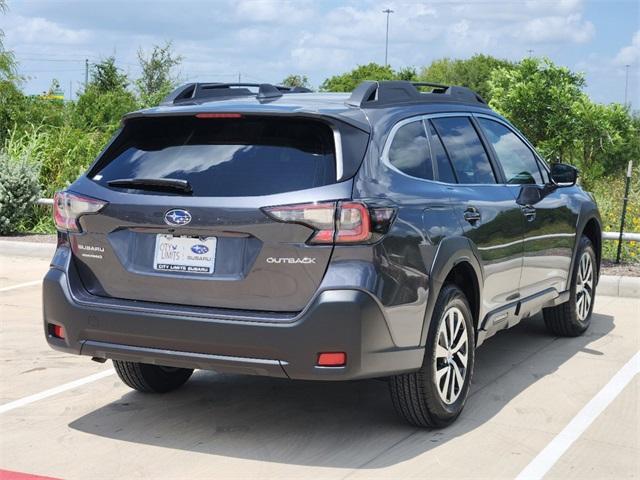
point(610, 285)
point(27, 249)
point(619, 286)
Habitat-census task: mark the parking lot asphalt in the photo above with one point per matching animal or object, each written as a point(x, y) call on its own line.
point(530, 390)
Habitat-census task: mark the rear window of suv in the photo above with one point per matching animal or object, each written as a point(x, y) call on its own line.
point(223, 157)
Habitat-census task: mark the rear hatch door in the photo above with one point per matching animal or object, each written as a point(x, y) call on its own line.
point(210, 246)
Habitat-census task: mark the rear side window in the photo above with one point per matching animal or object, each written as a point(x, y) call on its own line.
point(409, 151)
point(518, 162)
point(224, 157)
point(467, 154)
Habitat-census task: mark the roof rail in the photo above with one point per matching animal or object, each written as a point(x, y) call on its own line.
point(193, 92)
point(370, 94)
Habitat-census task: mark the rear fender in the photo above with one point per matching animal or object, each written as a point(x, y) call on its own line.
point(451, 252)
point(588, 212)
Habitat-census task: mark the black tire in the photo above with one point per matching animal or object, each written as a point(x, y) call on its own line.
point(151, 378)
point(564, 320)
point(415, 395)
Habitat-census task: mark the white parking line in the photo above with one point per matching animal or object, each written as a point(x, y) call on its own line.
point(21, 402)
point(20, 285)
point(547, 458)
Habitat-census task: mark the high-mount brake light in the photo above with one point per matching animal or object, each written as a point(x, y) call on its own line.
point(344, 222)
point(218, 115)
point(69, 207)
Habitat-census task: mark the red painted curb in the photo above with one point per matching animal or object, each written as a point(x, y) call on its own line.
point(7, 475)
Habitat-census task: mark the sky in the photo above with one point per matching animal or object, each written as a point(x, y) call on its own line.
point(265, 40)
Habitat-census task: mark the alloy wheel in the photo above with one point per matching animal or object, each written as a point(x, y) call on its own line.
point(584, 286)
point(452, 353)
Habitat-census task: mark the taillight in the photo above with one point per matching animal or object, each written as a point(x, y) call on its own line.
point(319, 216)
point(69, 207)
point(339, 222)
point(354, 223)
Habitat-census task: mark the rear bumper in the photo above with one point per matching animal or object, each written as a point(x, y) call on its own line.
point(349, 321)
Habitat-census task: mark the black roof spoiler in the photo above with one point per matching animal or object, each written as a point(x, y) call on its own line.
point(371, 94)
point(194, 92)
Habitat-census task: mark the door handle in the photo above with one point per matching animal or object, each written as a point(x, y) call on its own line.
point(529, 212)
point(472, 215)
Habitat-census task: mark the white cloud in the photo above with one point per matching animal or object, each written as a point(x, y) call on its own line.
point(570, 28)
point(273, 11)
point(629, 55)
point(40, 30)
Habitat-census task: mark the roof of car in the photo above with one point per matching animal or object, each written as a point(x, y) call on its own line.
point(368, 102)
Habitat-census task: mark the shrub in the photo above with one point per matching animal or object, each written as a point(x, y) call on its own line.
point(19, 188)
point(609, 193)
point(67, 154)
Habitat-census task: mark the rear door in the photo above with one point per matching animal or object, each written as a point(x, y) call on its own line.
point(486, 210)
point(213, 246)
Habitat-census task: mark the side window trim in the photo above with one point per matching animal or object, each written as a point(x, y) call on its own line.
point(498, 172)
point(542, 165)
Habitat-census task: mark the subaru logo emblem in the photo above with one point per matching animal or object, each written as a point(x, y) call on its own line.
point(199, 249)
point(177, 217)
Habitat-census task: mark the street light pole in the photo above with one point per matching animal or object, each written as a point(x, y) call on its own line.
point(386, 43)
point(626, 83)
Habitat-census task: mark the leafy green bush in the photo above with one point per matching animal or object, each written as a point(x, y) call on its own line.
point(67, 153)
point(609, 193)
point(19, 188)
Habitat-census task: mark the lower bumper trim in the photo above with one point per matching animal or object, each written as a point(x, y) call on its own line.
point(172, 358)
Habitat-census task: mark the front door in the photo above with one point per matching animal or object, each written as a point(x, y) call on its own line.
point(549, 224)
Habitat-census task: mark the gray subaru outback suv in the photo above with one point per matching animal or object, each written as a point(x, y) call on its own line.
point(262, 230)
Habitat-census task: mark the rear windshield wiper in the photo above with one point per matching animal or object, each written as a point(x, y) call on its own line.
point(153, 184)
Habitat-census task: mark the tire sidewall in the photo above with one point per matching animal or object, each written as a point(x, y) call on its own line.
point(450, 296)
point(585, 246)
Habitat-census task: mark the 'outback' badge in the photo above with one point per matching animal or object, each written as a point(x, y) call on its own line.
point(177, 217)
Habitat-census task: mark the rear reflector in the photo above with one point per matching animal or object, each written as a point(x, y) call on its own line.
point(332, 359)
point(57, 331)
point(218, 115)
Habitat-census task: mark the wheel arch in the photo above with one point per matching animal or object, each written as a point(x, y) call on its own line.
point(455, 262)
point(590, 226)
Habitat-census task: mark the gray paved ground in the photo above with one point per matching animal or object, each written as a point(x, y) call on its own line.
point(528, 386)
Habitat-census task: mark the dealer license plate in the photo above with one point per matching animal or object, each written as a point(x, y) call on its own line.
point(185, 254)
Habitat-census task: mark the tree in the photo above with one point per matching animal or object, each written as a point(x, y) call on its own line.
point(540, 99)
point(106, 77)
point(372, 71)
point(96, 110)
point(607, 137)
point(157, 79)
point(294, 80)
point(473, 72)
point(10, 95)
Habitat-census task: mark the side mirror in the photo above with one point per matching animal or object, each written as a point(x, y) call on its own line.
point(529, 195)
point(564, 175)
